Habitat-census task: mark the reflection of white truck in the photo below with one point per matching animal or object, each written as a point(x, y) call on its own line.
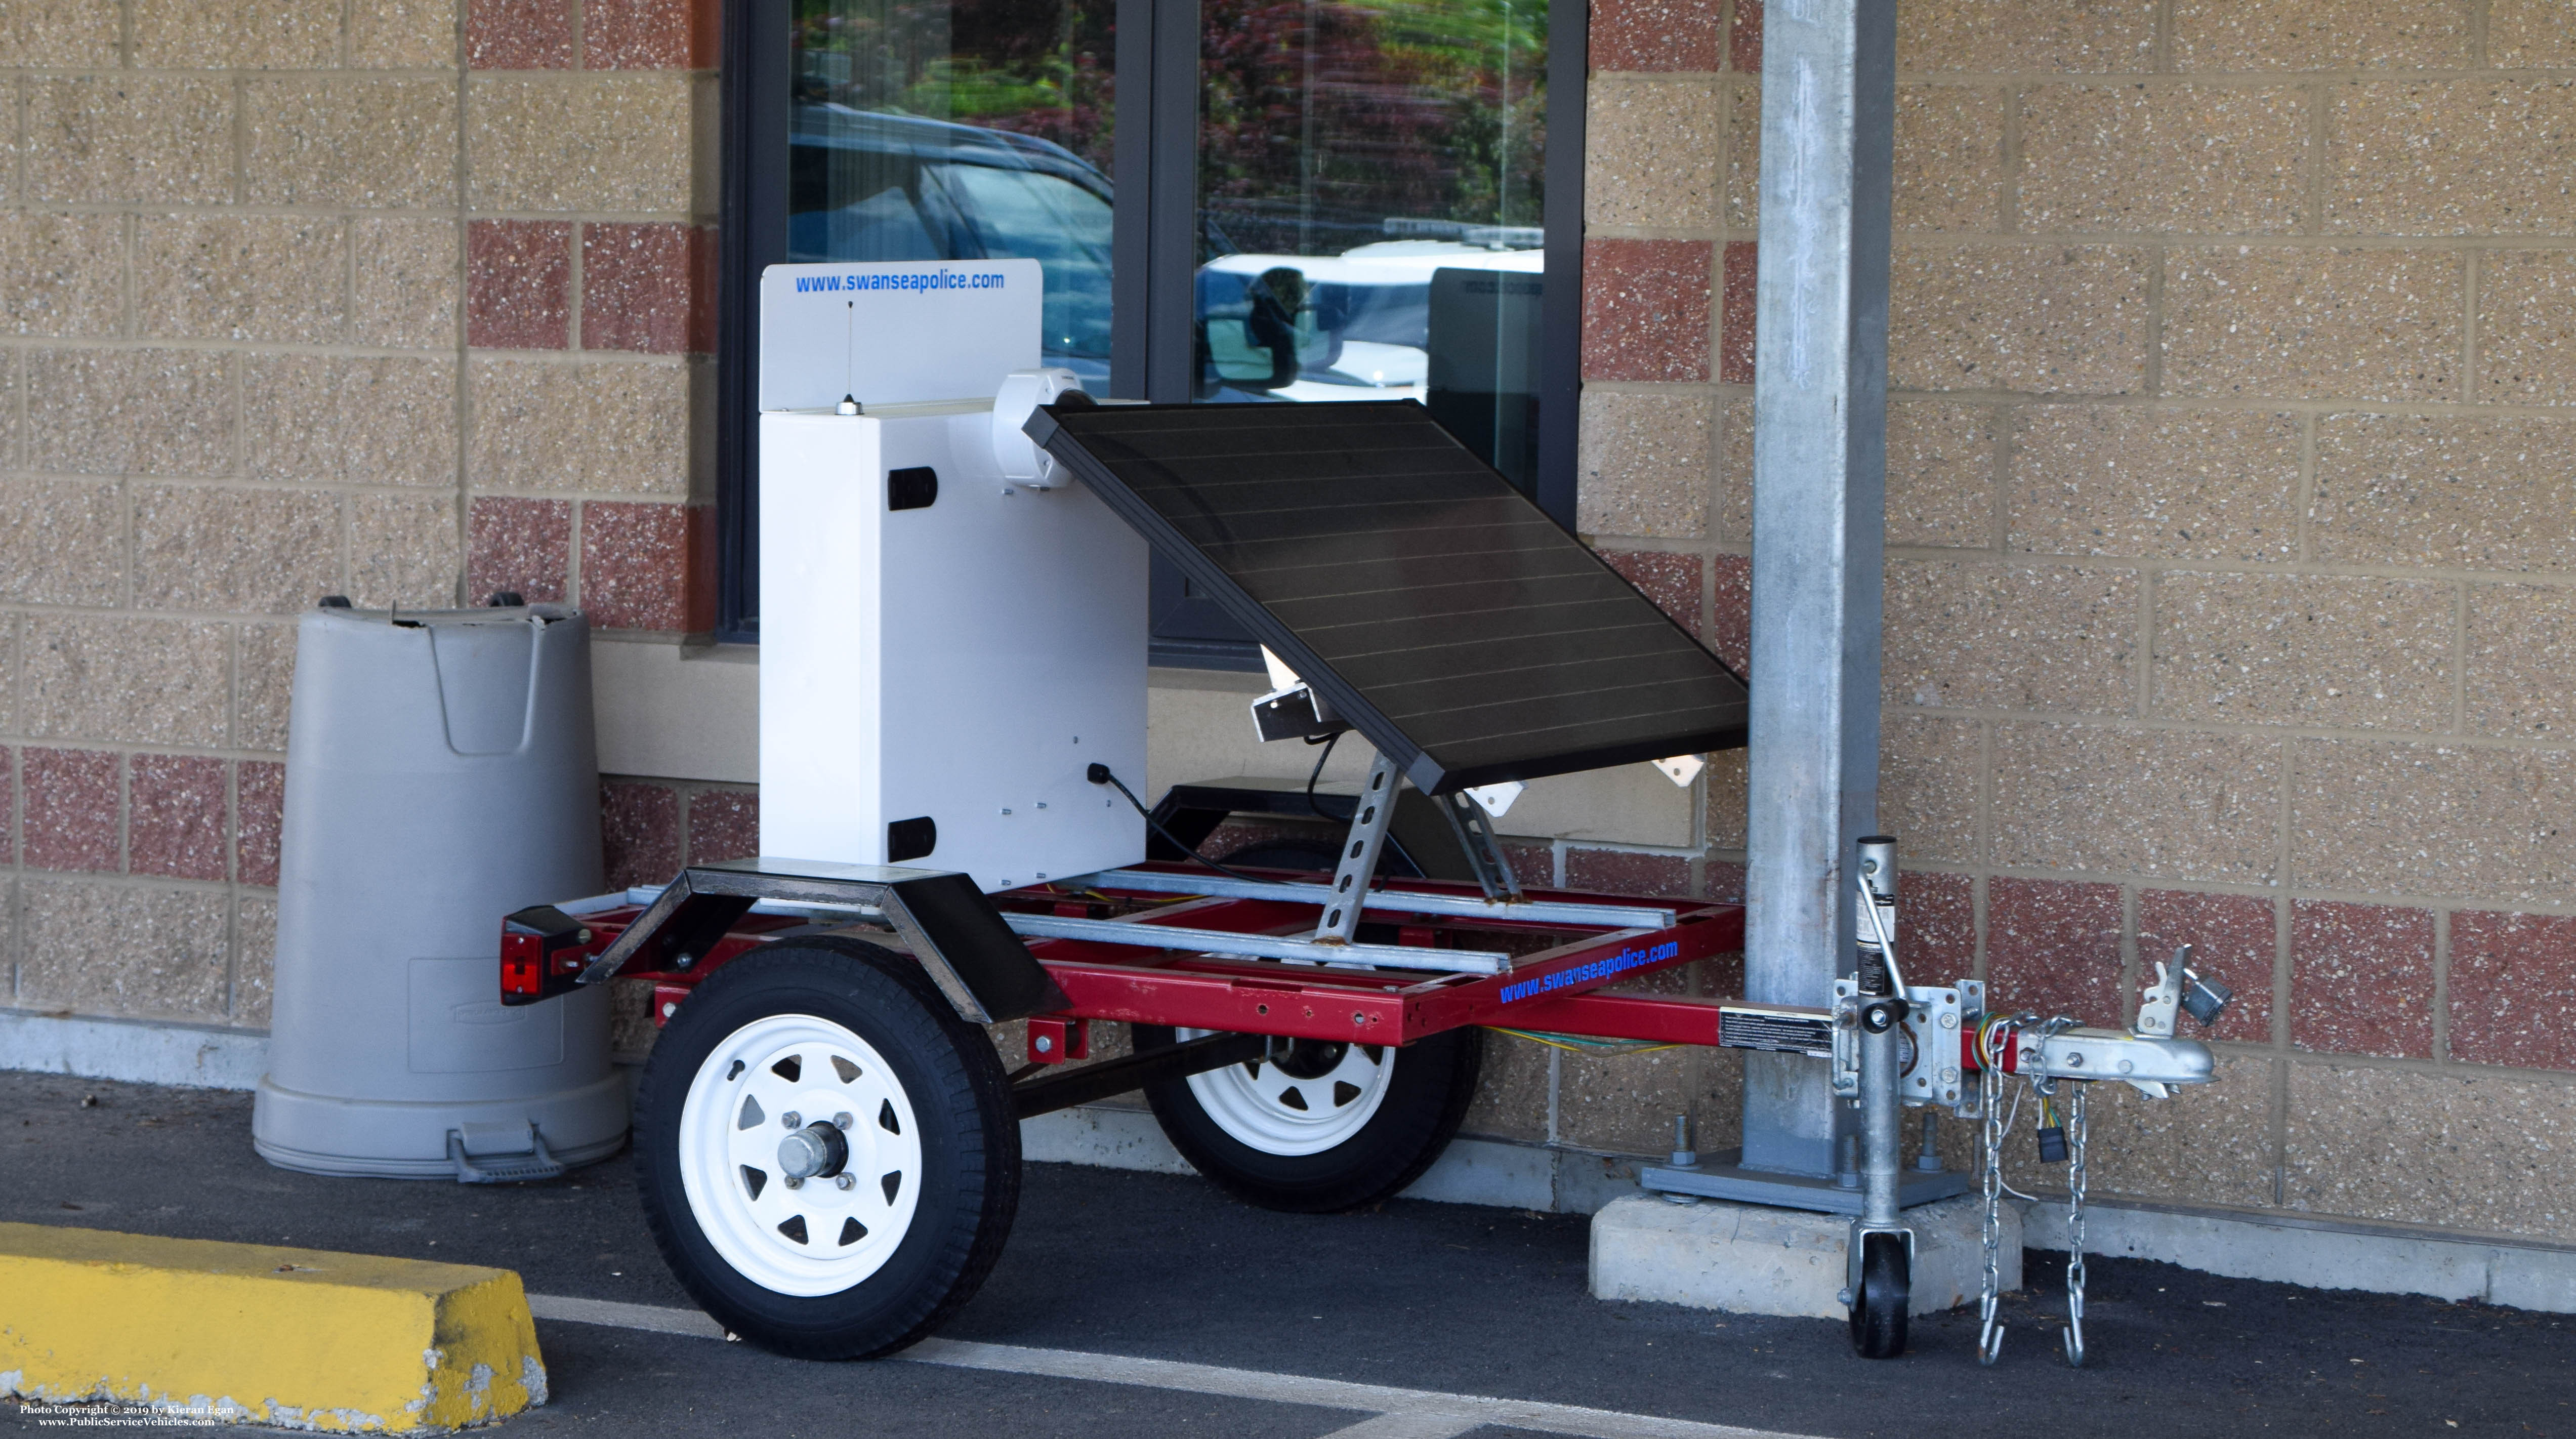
point(1375, 322)
point(1364, 326)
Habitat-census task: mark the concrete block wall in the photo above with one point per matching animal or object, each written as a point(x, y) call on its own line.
point(2229, 585)
point(406, 300)
point(2231, 462)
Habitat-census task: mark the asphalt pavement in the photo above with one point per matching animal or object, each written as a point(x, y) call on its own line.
point(1265, 1324)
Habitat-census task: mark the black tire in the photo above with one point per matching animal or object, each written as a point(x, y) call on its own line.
point(1427, 1093)
point(1878, 1310)
point(965, 1195)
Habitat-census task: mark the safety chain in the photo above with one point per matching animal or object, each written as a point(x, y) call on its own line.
point(2075, 1136)
point(1990, 1093)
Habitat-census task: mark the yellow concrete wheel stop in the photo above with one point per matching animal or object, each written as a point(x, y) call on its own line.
point(300, 1337)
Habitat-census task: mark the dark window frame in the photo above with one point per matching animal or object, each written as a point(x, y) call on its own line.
point(1152, 349)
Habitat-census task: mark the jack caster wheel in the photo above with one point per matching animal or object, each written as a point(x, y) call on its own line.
point(1878, 1310)
point(828, 1156)
point(1329, 1127)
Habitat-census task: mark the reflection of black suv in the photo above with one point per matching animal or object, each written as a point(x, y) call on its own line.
point(864, 186)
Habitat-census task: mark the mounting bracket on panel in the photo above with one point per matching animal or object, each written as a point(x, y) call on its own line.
point(1475, 830)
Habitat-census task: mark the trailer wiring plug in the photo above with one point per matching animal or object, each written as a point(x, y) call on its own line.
point(2052, 1133)
point(1099, 774)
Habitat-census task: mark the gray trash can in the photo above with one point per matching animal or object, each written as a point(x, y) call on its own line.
point(440, 773)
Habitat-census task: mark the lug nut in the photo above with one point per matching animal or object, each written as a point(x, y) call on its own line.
point(845, 1181)
point(842, 1120)
point(792, 1120)
point(795, 1183)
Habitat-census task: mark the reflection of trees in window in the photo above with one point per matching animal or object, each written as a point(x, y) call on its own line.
point(1321, 119)
point(1034, 67)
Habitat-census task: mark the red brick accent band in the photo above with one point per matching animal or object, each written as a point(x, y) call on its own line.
point(2232, 938)
point(1741, 269)
point(649, 34)
point(1671, 581)
point(2513, 989)
point(1645, 309)
point(613, 34)
point(2054, 946)
point(518, 284)
point(518, 34)
point(1744, 39)
point(1730, 622)
point(648, 566)
point(1938, 915)
point(639, 832)
point(723, 824)
point(259, 790)
point(72, 801)
point(2361, 979)
point(648, 287)
point(175, 825)
point(519, 545)
point(1620, 871)
point(1656, 34)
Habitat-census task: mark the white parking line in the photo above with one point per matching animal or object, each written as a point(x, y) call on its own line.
point(1400, 1413)
point(1416, 1425)
point(651, 1318)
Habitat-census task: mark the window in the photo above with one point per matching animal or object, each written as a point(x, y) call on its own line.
point(959, 131)
point(1329, 200)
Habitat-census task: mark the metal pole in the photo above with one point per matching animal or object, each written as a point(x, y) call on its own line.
point(1819, 473)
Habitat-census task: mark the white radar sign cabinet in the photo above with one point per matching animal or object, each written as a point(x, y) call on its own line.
point(949, 638)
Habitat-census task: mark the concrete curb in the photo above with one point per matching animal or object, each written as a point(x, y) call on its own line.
point(1750, 1259)
point(136, 1051)
point(2321, 1253)
point(243, 1332)
point(1494, 1172)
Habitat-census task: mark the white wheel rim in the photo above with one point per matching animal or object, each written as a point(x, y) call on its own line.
point(848, 1232)
point(1273, 1111)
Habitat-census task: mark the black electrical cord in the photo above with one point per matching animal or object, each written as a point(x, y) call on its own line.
point(1375, 881)
point(1318, 772)
point(1099, 774)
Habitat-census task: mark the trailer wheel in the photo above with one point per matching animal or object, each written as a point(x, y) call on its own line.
point(1878, 1310)
point(1330, 1127)
point(828, 1156)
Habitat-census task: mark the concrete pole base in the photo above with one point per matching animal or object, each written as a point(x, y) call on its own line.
point(1750, 1259)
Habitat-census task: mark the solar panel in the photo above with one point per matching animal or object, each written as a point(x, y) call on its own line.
point(1447, 618)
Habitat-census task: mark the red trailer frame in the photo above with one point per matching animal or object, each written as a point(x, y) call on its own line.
point(1557, 982)
point(1554, 983)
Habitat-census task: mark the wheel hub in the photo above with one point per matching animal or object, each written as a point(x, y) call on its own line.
point(817, 1151)
point(1318, 1094)
point(1311, 1058)
point(800, 1205)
